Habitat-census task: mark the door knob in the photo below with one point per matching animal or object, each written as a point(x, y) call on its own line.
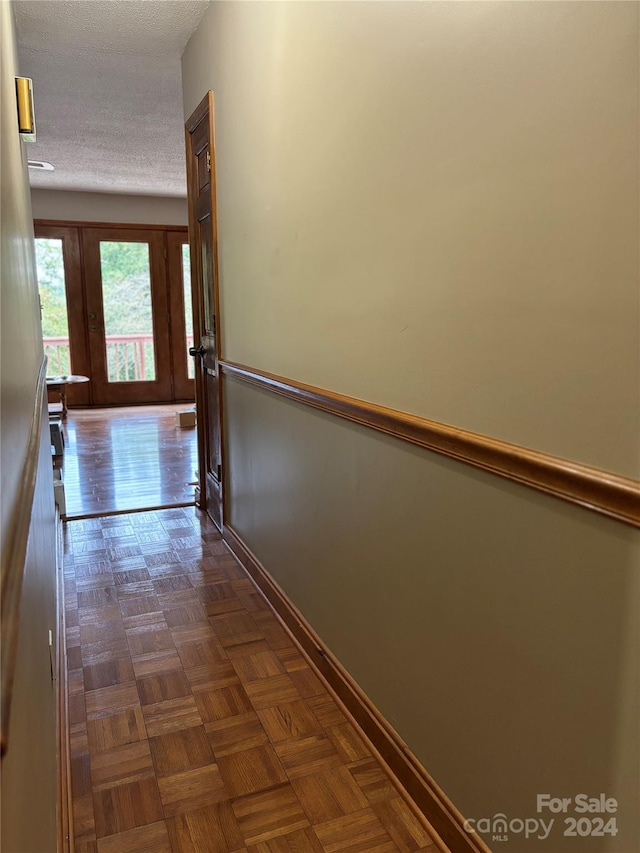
point(197, 350)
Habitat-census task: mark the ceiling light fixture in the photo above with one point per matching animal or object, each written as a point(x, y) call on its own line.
point(40, 164)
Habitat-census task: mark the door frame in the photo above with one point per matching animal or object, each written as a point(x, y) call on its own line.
point(80, 394)
point(209, 496)
point(183, 386)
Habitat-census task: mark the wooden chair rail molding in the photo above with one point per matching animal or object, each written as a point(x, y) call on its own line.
point(591, 488)
point(14, 554)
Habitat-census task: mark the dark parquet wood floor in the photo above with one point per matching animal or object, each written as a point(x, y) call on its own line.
point(127, 459)
point(196, 725)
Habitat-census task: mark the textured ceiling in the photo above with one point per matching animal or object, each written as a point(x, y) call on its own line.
point(107, 91)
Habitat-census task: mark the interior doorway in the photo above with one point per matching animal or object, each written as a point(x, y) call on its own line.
point(114, 309)
point(201, 193)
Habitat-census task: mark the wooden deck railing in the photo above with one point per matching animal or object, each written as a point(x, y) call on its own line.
point(129, 357)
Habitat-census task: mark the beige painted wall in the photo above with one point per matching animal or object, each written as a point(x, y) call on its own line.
point(108, 207)
point(495, 628)
point(435, 206)
point(29, 768)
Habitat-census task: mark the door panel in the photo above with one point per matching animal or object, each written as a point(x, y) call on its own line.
point(204, 277)
point(62, 298)
point(181, 310)
point(127, 315)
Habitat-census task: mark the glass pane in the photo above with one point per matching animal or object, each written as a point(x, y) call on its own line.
point(188, 310)
point(128, 321)
point(53, 299)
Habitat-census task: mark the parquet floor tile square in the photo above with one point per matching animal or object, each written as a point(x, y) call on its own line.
point(289, 720)
point(220, 704)
point(182, 750)
point(126, 806)
point(275, 690)
point(148, 639)
point(108, 673)
point(163, 686)
point(84, 823)
point(116, 730)
point(326, 710)
point(152, 663)
point(201, 652)
point(300, 841)
point(196, 725)
point(251, 770)
point(268, 814)
point(171, 715)
point(372, 780)
point(348, 742)
point(212, 676)
point(261, 665)
point(151, 838)
point(102, 613)
point(329, 795)
point(104, 651)
point(99, 632)
point(360, 832)
point(236, 734)
point(402, 826)
point(186, 614)
point(126, 763)
point(192, 790)
point(308, 755)
point(81, 774)
point(213, 828)
point(109, 700)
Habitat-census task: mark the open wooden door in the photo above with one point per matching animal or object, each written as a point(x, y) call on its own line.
point(127, 320)
point(201, 189)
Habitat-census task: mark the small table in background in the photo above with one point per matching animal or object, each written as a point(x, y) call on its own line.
point(58, 384)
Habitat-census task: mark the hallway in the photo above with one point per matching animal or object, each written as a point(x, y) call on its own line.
point(196, 725)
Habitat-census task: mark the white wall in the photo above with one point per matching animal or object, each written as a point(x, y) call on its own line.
point(108, 207)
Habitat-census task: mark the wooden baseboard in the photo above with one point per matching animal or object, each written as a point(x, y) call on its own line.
point(64, 802)
point(439, 811)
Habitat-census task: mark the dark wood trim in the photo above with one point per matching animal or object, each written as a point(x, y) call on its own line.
point(413, 780)
point(201, 194)
point(64, 799)
point(14, 554)
point(87, 223)
point(591, 488)
point(78, 395)
point(198, 322)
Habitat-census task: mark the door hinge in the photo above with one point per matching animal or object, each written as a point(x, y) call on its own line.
point(208, 161)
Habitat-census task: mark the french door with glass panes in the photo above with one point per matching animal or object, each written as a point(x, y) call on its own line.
point(116, 307)
point(128, 326)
